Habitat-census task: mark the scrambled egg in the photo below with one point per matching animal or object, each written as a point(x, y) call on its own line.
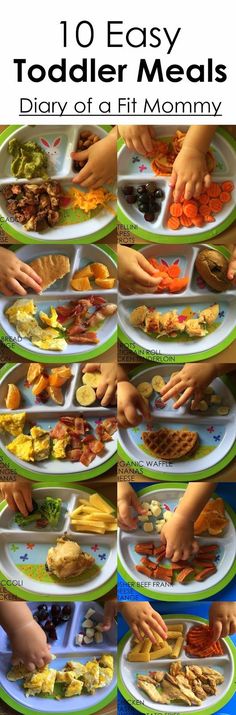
point(14, 424)
point(74, 688)
point(21, 315)
point(59, 447)
point(91, 676)
point(22, 447)
point(51, 320)
point(43, 682)
point(75, 676)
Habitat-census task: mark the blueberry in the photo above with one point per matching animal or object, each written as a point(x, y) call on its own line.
point(66, 613)
point(128, 190)
point(141, 189)
point(149, 216)
point(151, 187)
point(48, 625)
point(43, 607)
point(159, 194)
point(55, 610)
point(52, 633)
point(131, 199)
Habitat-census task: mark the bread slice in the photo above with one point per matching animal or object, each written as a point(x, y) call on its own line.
point(50, 268)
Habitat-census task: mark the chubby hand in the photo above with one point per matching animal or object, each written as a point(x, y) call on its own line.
point(128, 502)
point(18, 495)
point(189, 174)
point(144, 620)
point(29, 646)
point(231, 274)
point(132, 407)
point(106, 390)
point(135, 272)
point(16, 276)
point(178, 536)
point(191, 380)
point(101, 164)
point(139, 138)
point(110, 611)
point(222, 619)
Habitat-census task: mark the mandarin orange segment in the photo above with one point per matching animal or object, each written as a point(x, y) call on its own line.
point(40, 385)
point(105, 283)
point(81, 283)
point(59, 375)
point(99, 270)
point(13, 398)
point(35, 369)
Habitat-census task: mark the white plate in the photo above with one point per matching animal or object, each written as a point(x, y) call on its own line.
point(60, 293)
point(64, 649)
point(196, 295)
point(128, 558)
point(217, 433)
point(46, 415)
point(128, 672)
point(135, 169)
point(59, 169)
point(34, 543)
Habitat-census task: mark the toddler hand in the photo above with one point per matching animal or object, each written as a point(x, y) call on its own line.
point(178, 536)
point(139, 138)
point(18, 495)
point(189, 173)
point(14, 275)
point(127, 503)
point(144, 620)
point(135, 272)
point(231, 274)
point(101, 164)
point(29, 646)
point(110, 611)
point(191, 380)
point(106, 390)
point(222, 619)
point(132, 407)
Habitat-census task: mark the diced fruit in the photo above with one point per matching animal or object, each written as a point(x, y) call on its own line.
point(85, 395)
point(59, 375)
point(81, 284)
point(105, 283)
point(13, 397)
point(40, 385)
point(35, 369)
point(92, 378)
point(99, 270)
point(56, 394)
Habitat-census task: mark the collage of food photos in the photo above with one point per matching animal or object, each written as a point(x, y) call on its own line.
point(117, 419)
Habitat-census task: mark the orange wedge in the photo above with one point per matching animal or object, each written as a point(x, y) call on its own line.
point(13, 397)
point(40, 385)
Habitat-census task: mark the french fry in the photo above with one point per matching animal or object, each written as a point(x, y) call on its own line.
point(136, 648)
point(161, 653)
point(139, 657)
point(175, 627)
point(173, 635)
point(146, 645)
point(177, 647)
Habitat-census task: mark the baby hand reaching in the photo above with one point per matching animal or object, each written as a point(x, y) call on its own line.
point(29, 646)
point(189, 173)
point(106, 390)
point(127, 503)
point(101, 163)
point(18, 495)
point(135, 272)
point(144, 620)
point(139, 138)
point(178, 536)
point(16, 276)
point(231, 275)
point(132, 407)
point(222, 619)
point(192, 380)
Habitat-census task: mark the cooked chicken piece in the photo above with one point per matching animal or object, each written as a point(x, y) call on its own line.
point(173, 691)
point(209, 315)
point(158, 676)
point(214, 674)
point(194, 329)
point(152, 692)
point(209, 689)
point(186, 689)
point(67, 559)
point(108, 309)
point(176, 668)
point(147, 679)
point(138, 315)
point(198, 689)
point(152, 322)
point(169, 321)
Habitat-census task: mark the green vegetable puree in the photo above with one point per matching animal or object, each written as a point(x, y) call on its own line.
point(28, 160)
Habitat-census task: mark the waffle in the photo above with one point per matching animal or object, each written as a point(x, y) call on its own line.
point(171, 444)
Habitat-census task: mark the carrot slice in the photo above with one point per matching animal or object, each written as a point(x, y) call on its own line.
point(173, 223)
point(209, 219)
point(204, 210)
point(227, 185)
point(225, 197)
point(203, 199)
point(215, 205)
point(190, 209)
point(185, 221)
point(174, 271)
point(214, 190)
point(198, 220)
point(176, 210)
point(178, 284)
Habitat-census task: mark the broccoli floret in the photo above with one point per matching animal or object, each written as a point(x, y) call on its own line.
point(51, 510)
point(22, 520)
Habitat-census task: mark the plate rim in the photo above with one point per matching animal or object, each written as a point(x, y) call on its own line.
point(188, 238)
point(206, 711)
point(28, 595)
point(159, 595)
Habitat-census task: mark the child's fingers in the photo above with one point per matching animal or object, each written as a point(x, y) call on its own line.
point(232, 629)
point(171, 392)
point(139, 146)
point(87, 183)
point(179, 188)
point(122, 421)
point(147, 267)
point(29, 282)
point(198, 188)
point(108, 396)
point(177, 554)
point(20, 503)
point(143, 406)
point(83, 174)
point(137, 505)
point(131, 415)
point(137, 633)
point(30, 666)
point(16, 287)
point(183, 398)
point(92, 367)
point(173, 179)
point(148, 632)
point(159, 625)
point(140, 289)
point(169, 549)
point(207, 181)
point(101, 389)
point(189, 189)
point(28, 500)
point(80, 155)
point(231, 274)
point(216, 626)
point(147, 141)
point(31, 273)
point(195, 546)
point(11, 502)
point(5, 290)
point(125, 514)
point(144, 278)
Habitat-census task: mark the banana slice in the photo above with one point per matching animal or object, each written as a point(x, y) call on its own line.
point(85, 395)
point(223, 410)
point(91, 378)
point(158, 383)
point(145, 389)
